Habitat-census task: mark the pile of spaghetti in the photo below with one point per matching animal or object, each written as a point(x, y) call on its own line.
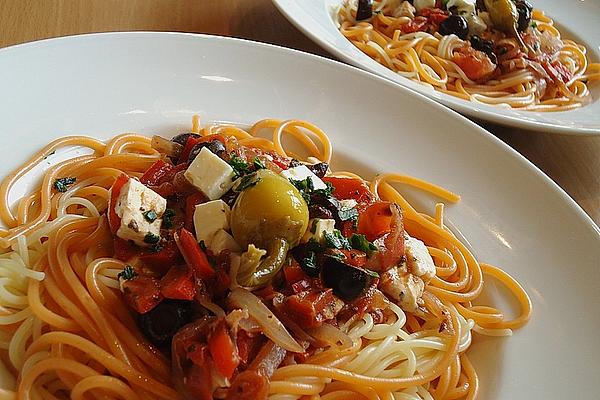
point(219, 264)
point(498, 52)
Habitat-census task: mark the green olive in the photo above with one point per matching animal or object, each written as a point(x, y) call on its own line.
point(505, 17)
point(271, 209)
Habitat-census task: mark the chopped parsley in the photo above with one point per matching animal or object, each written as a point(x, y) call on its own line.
point(534, 25)
point(168, 218)
point(127, 273)
point(61, 184)
point(202, 245)
point(336, 240)
point(360, 242)
point(348, 214)
point(150, 216)
point(245, 182)
point(305, 187)
point(151, 238)
point(240, 167)
point(309, 264)
point(258, 164)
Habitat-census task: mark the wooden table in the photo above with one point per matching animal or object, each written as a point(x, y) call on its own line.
point(571, 161)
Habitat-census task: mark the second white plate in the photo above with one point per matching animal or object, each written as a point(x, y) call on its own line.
point(575, 19)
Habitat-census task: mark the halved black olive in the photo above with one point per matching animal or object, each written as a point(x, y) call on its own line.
point(319, 169)
point(347, 282)
point(183, 137)
point(455, 24)
point(163, 321)
point(215, 146)
point(487, 46)
point(524, 9)
point(364, 9)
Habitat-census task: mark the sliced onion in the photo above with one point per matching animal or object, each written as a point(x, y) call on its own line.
point(270, 325)
point(165, 146)
point(330, 335)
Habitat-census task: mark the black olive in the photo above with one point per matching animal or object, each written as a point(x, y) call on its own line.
point(317, 211)
point(347, 282)
point(319, 169)
point(487, 46)
point(163, 321)
point(364, 9)
point(455, 24)
point(215, 146)
point(524, 9)
point(183, 137)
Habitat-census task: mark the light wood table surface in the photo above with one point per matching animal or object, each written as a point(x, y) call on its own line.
point(571, 161)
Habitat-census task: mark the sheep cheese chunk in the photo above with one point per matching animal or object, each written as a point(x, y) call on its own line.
point(418, 259)
point(210, 174)
point(209, 218)
point(403, 287)
point(300, 173)
point(317, 228)
point(140, 210)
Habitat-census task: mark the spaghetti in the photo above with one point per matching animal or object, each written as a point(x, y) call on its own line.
point(465, 52)
point(67, 328)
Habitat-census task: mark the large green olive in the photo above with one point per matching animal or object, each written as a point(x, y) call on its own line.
point(505, 17)
point(271, 209)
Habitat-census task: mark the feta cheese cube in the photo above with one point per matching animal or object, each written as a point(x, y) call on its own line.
point(223, 241)
point(348, 204)
point(209, 218)
point(317, 228)
point(210, 174)
point(134, 201)
point(300, 173)
point(418, 259)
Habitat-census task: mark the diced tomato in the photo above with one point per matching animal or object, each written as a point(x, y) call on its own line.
point(375, 221)
point(160, 172)
point(247, 346)
point(417, 24)
point(124, 250)
point(197, 352)
point(190, 206)
point(142, 293)
point(222, 350)
point(178, 283)
point(310, 309)
point(162, 260)
point(354, 257)
point(293, 272)
point(114, 220)
point(350, 188)
point(193, 254)
point(390, 245)
point(302, 285)
point(249, 385)
point(474, 63)
point(192, 141)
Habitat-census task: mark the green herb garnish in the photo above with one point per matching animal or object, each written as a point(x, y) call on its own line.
point(534, 25)
point(168, 218)
point(336, 240)
point(246, 181)
point(127, 273)
point(240, 167)
point(61, 184)
point(305, 187)
point(150, 216)
point(309, 264)
point(258, 164)
point(348, 214)
point(151, 238)
point(360, 242)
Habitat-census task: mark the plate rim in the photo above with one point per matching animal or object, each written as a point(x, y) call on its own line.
point(535, 127)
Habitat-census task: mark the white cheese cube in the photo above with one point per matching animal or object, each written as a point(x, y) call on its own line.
point(209, 218)
point(210, 174)
point(348, 204)
point(461, 4)
point(418, 259)
point(223, 241)
point(317, 228)
point(134, 201)
point(300, 173)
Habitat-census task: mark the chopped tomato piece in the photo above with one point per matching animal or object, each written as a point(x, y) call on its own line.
point(390, 245)
point(190, 206)
point(247, 346)
point(142, 293)
point(293, 272)
point(178, 283)
point(161, 260)
point(114, 221)
point(193, 254)
point(125, 250)
point(310, 309)
point(197, 353)
point(415, 25)
point(160, 172)
point(222, 350)
point(474, 63)
point(350, 188)
point(375, 221)
point(354, 257)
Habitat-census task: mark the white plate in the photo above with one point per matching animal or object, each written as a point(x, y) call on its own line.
point(577, 19)
point(512, 214)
